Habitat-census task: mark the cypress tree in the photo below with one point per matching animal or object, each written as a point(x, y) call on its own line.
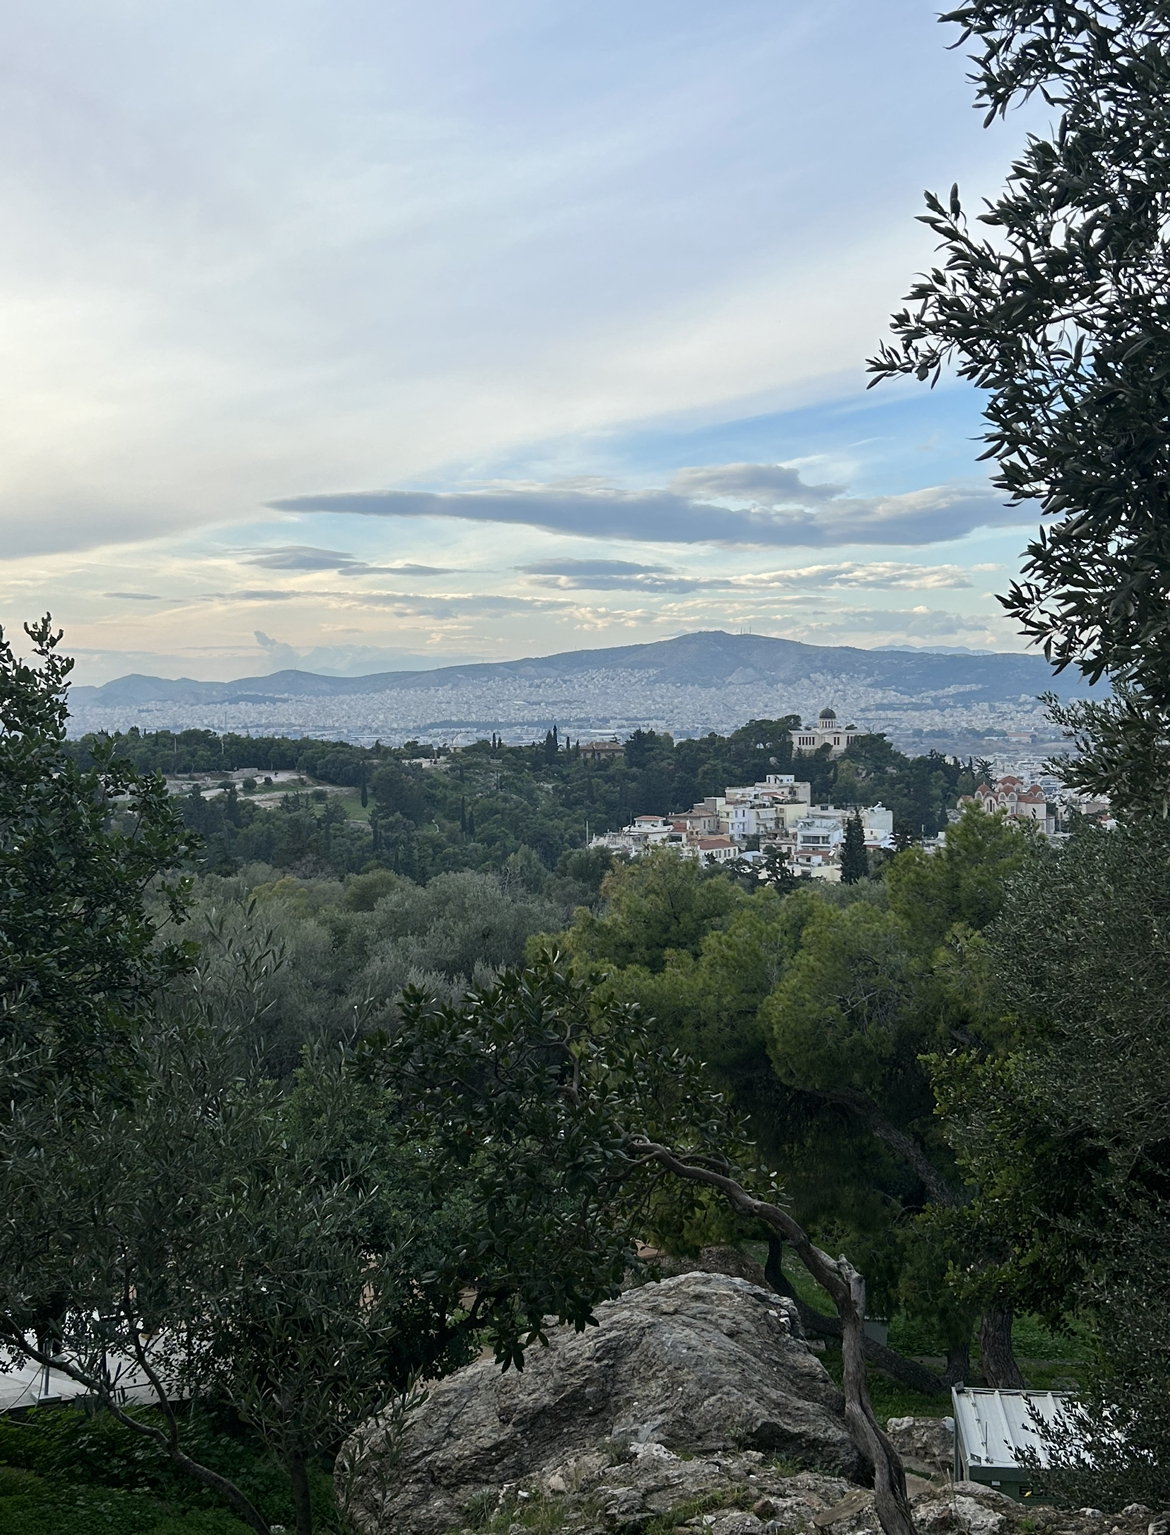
point(854, 863)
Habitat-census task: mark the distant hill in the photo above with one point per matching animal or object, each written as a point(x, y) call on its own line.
point(709, 658)
point(688, 685)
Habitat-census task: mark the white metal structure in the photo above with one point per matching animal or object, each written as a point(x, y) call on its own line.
point(992, 1428)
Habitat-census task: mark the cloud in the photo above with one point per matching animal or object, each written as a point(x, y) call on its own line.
point(876, 574)
point(134, 596)
point(761, 484)
point(584, 569)
point(622, 575)
point(280, 654)
point(762, 505)
point(920, 622)
point(407, 604)
point(307, 557)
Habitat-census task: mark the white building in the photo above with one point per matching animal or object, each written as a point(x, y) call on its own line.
point(650, 831)
point(777, 812)
point(818, 840)
point(826, 732)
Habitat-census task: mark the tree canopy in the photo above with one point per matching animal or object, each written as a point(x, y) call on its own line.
point(1060, 315)
point(79, 949)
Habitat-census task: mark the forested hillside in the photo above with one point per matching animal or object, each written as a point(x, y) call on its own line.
point(421, 814)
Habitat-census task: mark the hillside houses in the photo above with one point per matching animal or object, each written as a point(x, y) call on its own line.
point(751, 819)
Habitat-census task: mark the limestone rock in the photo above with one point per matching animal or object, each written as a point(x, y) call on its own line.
point(719, 1260)
point(700, 1363)
point(925, 1444)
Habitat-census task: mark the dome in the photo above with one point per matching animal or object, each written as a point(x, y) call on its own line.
point(827, 715)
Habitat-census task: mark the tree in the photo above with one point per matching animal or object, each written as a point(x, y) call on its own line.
point(847, 1288)
point(169, 1211)
point(1064, 1131)
point(655, 904)
point(854, 863)
point(80, 956)
point(868, 991)
point(813, 1011)
point(306, 1257)
point(533, 1078)
point(1063, 317)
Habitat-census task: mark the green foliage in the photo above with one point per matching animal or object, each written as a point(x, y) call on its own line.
point(54, 1455)
point(1121, 750)
point(1064, 1134)
point(854, 862)
point(477, 807)
point(964, 883)
point(841, 1015)
point(39, 1508)
point(814, 1009)
point(656, 905)
point(1060, 316)
point(348, 948)
point(535, 1088)
point(78, 848)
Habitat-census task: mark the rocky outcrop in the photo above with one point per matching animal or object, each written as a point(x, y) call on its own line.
point(925, 1444)
point(718, 1260)
point(646, 1489)
point(701, 1363)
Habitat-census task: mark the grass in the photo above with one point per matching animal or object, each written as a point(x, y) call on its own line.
point(1049, 1359)
point(691, 1508)
point(535, 1511)
point(890, 1398)
point(75, 1470)
point(33, 1505)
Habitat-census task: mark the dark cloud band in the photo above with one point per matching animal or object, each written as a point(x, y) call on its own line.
point(762, 505)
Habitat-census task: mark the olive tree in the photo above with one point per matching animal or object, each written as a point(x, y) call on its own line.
point(574, 1117)
point(1060, 313)
point(1064, 1136)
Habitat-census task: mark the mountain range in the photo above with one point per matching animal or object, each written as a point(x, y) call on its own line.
point(689, 684)
point(710, 658)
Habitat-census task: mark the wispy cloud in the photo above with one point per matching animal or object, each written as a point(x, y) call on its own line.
point(762, 505)
point(309, 558)
point(623, 575)
point(584, 569)
point(407, 604)
point(911, 623)
point(133, 596)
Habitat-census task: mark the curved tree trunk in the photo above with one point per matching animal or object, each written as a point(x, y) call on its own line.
point(908, 1371)
point(995, 1350)
point(774, 1268)
point(847, 1288)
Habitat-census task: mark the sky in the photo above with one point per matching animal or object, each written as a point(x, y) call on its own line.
point(365, 334)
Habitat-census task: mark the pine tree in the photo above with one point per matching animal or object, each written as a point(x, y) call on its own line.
point(854, 863)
